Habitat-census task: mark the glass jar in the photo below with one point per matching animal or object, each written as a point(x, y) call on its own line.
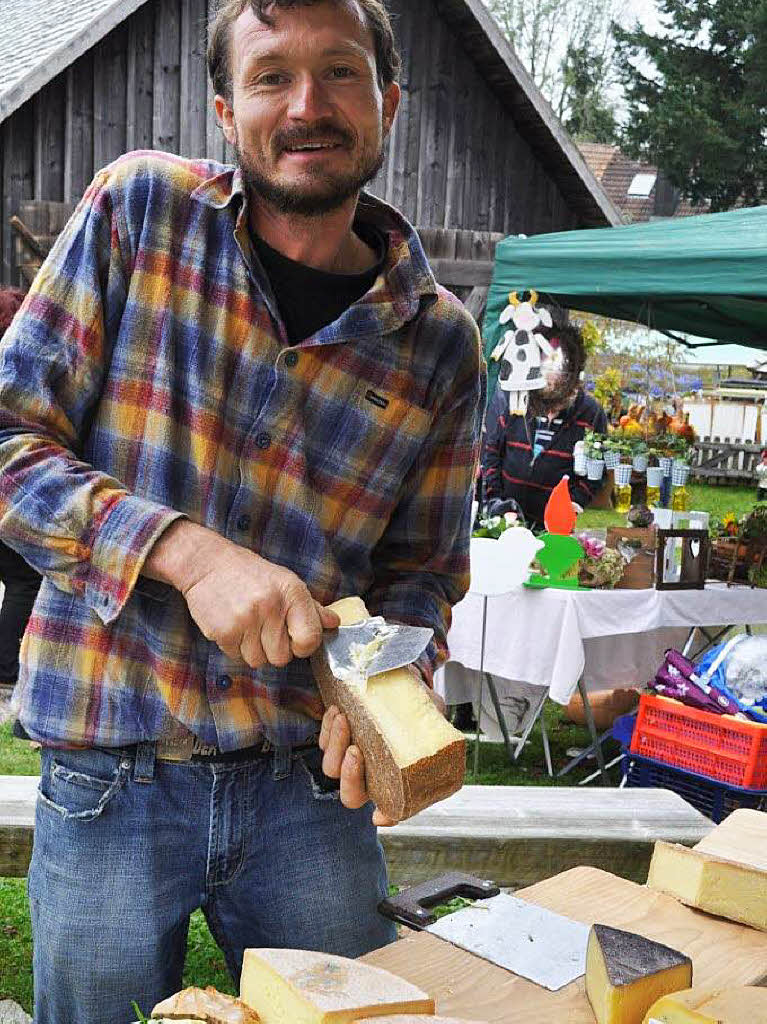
point(680, 499)
point(623, 499)
point(653, 496)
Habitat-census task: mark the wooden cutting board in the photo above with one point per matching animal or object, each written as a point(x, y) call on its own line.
point(722, 952)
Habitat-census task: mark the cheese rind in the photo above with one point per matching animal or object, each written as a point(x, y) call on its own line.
point(701, 1005)
point(626, 973)
point(296, 986)
point(207, 1005)
point(413, 755)
point(722, 887)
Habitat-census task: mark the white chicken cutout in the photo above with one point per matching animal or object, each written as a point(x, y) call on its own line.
point(520, 349)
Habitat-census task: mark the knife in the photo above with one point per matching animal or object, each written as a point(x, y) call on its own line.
point(373, 646)
point(519, 936)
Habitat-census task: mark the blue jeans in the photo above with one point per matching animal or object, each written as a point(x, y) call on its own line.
point(126, 848)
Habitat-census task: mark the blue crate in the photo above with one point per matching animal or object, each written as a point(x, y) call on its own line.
point(713, 798)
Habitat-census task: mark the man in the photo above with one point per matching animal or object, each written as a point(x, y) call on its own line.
point(230, 398)
point(525, 457)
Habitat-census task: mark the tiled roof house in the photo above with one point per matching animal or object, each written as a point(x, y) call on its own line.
point(640, 191)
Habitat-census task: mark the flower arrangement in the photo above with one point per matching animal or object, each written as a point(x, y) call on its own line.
point(494, 526)
point(600, 566)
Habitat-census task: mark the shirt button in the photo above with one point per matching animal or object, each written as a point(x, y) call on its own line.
point(291, 359)
point(243, 522)
point(224, 682)
point(263, 441)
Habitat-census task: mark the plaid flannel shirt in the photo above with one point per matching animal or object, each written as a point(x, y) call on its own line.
point(147, 377)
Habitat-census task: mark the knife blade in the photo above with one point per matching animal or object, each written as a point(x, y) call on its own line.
point(373, 646)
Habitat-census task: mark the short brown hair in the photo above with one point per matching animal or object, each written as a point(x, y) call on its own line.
point(387, 56)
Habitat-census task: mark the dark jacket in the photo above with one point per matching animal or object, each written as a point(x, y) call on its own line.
point(509, 469)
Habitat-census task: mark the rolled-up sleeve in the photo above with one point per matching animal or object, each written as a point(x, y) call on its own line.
point(78, 526)
point(422, 561)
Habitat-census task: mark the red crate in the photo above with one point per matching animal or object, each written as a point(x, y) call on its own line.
point(717, 746)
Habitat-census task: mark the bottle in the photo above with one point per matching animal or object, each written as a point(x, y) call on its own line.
point(653, 496)
point(623, 499)
point(680, 499)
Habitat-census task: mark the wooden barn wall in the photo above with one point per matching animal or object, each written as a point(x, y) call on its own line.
point(455, 158)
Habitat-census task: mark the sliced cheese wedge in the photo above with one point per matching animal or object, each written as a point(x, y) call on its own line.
point(296, 986)
point(733, 890)
point(626, 973)
point(413, 755)
point(744, 1004)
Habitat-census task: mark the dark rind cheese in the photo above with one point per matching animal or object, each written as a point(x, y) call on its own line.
point(629, 957)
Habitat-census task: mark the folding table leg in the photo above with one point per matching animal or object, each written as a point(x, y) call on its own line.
point(596, 740)
point(501, 720)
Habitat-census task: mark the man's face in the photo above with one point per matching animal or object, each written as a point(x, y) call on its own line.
point(307, 117)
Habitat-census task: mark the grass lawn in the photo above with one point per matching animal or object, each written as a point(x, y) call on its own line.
point(204, 961)
point(703, 498)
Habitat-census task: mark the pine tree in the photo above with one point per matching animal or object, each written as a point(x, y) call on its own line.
point(697, 98)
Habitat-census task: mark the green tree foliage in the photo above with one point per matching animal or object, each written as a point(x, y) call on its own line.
point(568, 48)
point(591, 118)
point(697, 97)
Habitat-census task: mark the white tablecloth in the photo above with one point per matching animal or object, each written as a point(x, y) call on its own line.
point(614, 638)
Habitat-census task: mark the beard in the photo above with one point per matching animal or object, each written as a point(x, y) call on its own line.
point(555, 396)
point(321, 191)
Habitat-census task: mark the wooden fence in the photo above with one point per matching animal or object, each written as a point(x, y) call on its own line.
point(461, 260)
point(721, 460)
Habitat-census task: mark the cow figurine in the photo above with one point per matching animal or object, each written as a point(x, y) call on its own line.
point(520, 350)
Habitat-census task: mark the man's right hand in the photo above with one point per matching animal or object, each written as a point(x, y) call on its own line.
point(254, 610)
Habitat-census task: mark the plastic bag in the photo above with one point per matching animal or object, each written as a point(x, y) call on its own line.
point(738, 668)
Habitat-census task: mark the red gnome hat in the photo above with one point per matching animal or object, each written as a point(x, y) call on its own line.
point(559, 515)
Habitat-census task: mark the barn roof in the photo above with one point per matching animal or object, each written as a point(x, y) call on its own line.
point(544, 132)
point(41, 38)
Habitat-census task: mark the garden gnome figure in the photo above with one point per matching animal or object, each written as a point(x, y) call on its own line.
point(520, 350)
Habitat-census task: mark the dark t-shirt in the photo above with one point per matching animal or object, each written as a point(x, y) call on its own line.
point(309, 299)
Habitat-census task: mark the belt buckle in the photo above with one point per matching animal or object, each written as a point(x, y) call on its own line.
point(177, 748)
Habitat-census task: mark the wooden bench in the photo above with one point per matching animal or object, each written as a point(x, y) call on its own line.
point(516, 835)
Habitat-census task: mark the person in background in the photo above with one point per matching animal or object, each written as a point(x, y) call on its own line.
point(20, 581)
point(761, 477)
point(525, 457)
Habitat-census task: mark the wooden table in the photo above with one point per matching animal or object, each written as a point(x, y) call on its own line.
point(723, 953)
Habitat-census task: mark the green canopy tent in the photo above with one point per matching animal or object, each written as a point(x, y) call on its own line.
point(705, 276)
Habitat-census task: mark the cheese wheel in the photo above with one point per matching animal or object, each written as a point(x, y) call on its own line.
point(413, 755)
point(626, 973)
point(297, 986)
point(701, 1005)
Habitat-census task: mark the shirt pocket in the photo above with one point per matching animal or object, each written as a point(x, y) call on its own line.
point(372, 444)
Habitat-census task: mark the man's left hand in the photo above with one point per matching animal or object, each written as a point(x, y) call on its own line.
point(343, 760)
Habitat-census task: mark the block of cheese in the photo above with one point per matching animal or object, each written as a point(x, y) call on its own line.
point(413, 755)
point(297, 986)
point(626, 973)
point(743, 1004)
point(727, 888)
point(207, 1005)
point(741, 837)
